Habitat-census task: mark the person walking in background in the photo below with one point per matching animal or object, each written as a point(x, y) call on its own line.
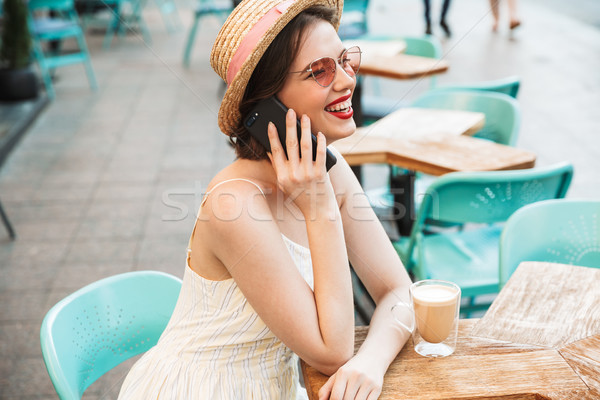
point(443, 24)
point(512, 13)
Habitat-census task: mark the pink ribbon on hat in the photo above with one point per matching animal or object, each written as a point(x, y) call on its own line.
point(253, 36)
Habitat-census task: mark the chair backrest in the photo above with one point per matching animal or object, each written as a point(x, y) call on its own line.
point(502, 112)
point(356, 5)
point(103, 324)
point(492, 196)
point(354, 19)
point(425, 46)
point(55, 5)
point(564, 231)
point(509, 86)
point(487, 196)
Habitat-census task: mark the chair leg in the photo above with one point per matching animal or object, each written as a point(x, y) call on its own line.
point(169, 13)
point(190, 42)
point(44, 71)
point(432, 82)
point(9, 228)
point(87, 63)
point(113, 26)
point(138, 7)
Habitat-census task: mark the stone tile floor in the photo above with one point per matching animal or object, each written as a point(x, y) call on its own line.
point(108, 181)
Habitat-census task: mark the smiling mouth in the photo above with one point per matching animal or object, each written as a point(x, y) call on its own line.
point(342, 107)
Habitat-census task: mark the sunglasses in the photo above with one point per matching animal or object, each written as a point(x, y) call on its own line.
point(323, 69)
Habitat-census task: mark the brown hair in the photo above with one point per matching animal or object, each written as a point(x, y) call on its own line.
point(270, 75)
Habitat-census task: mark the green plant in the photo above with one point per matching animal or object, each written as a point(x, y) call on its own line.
point(15, 46)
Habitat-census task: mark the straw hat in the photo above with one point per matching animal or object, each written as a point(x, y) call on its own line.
point(242, 41)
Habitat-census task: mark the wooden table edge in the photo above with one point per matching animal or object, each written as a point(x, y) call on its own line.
point(371, 71)
point(361, 331)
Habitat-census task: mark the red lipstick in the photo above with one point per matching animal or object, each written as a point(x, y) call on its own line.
point(343, 98)
point(343, 115)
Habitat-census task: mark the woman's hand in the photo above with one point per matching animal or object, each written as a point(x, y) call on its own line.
point(305, 181)
point(358, 379)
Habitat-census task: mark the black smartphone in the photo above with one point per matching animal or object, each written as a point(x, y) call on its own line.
point(273, 110)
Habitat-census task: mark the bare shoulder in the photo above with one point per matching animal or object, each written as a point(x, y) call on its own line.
point(230, 194)
point(233, 211)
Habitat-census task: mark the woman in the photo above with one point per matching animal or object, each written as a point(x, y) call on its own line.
point(267, 276)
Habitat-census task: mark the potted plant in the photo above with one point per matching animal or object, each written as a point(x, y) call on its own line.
point(17, 80)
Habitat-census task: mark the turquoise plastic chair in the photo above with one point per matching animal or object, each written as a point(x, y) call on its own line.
point(509, 86)
point(55, 29)
point(354, 19)
point(203, 9)
point(562, 231)
point(502, 112)
point(170, 15)
point(126, 15)
point(424, 46)
point(103, 324)
point(469, 257)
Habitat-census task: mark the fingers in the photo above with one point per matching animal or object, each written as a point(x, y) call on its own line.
point(321, 152)
point(367, 392)
point(306, 146)
point(325, 391)
point(345, 385)
point(374, 395)
point(291, 138)
point(277, 154)
point(339, 388)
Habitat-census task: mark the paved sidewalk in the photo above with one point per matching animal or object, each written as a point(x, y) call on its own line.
point(109, 182)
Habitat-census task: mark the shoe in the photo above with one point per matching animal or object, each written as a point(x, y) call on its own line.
point(446, 28)
point(514, 24)
point(428, 29)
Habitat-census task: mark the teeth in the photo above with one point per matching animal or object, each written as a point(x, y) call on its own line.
point(340, 106)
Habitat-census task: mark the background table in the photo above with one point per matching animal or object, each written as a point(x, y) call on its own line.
point(372, 47)
point(431, 141)
point(520, 367)
point(411, 122)
point(402, 66)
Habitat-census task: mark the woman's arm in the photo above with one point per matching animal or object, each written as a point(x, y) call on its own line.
point(378, 266)
point(318, 326)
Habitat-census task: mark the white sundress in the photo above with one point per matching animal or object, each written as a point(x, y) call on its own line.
point(215, 346)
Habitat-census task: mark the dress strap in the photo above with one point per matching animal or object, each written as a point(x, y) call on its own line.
point(229, 180)
point(189, 248)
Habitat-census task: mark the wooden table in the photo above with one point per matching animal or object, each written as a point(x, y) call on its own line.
point(415, 122)
point(384, 58)
point(431, 141)
point(402, 66)
point(539, 340)
point(373, 47)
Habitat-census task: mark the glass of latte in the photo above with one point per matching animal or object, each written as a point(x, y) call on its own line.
point(435, 305)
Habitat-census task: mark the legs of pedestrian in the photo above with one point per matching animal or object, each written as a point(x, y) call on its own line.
point(495, 13)
point(512, 13)
point(443, 23)
point(427, 5)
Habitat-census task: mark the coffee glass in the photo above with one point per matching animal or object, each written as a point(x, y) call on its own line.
point(435, 305)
